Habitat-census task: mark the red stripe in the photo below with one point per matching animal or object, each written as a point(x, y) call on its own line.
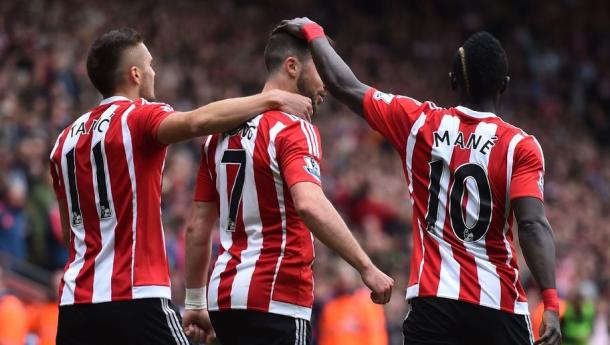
point(430, 275)
point(120, 185)
point(240, 238)
point(84, 182)
point(148, 159)
point(56, 161)
point(294, 281)
point(470, 289)
point(259, 295)
point(494, 240)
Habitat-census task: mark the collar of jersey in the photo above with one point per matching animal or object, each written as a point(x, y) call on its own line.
point(114, 99)
point(474, 113)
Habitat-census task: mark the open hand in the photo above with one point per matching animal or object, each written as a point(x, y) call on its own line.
point(550, 329)
point(292, 26)
point(293, 103)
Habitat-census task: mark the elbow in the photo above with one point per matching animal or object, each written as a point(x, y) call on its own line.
point(305, 207)
point(534, 226)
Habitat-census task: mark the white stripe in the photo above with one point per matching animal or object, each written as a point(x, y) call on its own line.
point(78, 232)
point(151, 291)
point(114, 99)
point(411, 140)
point(314, 139)
point(178, 328)
point(509, 173)
point(253, 225)
point(309, 144)
point(304, 330)
point(170, 322)
point(226, 239)
point(487, 274)
point(541, 153)
point(474, 113)
point(292, 310)
point(102, 280)
point(279, 189)
point(449, 284)
point(132, 177)
point(296, 331)
point(530, 329)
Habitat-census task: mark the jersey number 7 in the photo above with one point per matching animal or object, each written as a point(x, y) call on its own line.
point(235, 157)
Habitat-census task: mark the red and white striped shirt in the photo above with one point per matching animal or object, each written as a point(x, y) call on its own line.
point(462, 168)
point(106, 169)
point(266, 252)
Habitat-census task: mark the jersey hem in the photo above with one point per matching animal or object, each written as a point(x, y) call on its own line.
point(275, 307)
point(521, 307)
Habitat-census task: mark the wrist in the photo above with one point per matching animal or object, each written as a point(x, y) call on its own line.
point(196, 299)
point(311, 31)
point(364, 265)
point(550, 299)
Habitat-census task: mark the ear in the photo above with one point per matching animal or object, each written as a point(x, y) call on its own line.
point(504, 84)
point(135, 76)
point(453, 81)
point(292, 67)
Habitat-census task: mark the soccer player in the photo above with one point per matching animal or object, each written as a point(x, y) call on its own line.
point(468, 172)
point(263, 179)
point(106, 170)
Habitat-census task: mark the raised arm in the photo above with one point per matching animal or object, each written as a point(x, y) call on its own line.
point(325, 223)
point(336, 74)
point(538, 246)
point(227, 114)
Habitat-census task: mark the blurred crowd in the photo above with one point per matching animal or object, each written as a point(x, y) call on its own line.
point(204, 51)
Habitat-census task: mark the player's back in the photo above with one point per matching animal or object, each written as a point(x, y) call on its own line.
point(462, 167)
point(106, 170)
point(266, 250)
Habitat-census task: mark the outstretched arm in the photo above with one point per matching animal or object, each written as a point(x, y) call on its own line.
point(538, 246)
point(230, 113)
point(336, 74)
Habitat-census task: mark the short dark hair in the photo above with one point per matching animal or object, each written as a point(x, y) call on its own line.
point(480, 66)
point(105, 56)
point(282, 45)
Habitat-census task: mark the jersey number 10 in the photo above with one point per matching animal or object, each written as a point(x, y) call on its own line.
point(465, 232)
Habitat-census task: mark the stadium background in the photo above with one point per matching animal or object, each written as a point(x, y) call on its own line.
point(559, 54)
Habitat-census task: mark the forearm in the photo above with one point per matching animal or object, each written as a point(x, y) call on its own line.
point(65, 222)
point(325, 223)
point(198, 250)
point(336, 74)
point(224, 115)
point(538, 246)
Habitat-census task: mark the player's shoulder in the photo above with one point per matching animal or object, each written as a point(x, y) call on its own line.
point(285, 121)
point(144, 104)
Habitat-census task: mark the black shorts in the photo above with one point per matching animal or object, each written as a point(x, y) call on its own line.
point(249, 327)
point(442, 321)
point(139, 321)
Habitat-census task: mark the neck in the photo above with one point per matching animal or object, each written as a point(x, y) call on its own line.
point(483, 106)
point(276, 82)
point(132, 94)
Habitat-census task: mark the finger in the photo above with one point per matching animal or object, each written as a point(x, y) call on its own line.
point(543, 339)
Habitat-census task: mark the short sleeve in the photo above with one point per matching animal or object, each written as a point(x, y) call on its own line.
point(205, 190)
point(528, 170)
point(392, 116)
point(299, 152)
point(146, 119)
